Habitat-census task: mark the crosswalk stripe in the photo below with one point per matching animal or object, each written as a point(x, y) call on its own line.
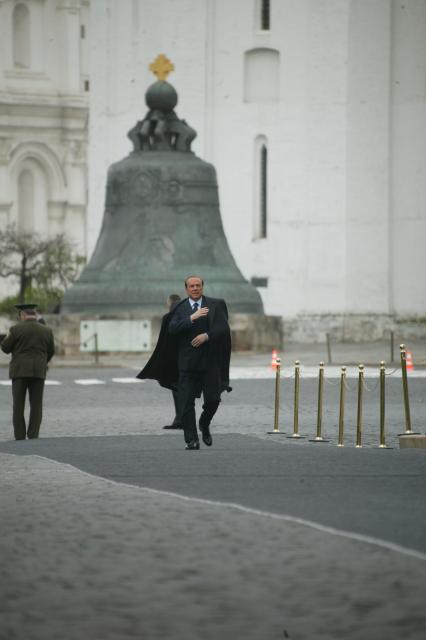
point(254, 373)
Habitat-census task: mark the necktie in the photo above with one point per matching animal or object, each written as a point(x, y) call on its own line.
point(195, 306)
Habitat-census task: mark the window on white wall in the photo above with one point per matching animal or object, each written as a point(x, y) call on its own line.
point(263, 177)
point(21, 36)
point(261, 75)
point(265, 15)
point(26, 201)
point(261, 188)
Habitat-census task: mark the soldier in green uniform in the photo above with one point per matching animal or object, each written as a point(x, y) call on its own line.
point(32, 346)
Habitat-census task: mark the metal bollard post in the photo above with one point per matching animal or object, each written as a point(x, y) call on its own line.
point(96, 349)
point(342, 406)
point(296, 433)
point(408, 431)
point(382, 444)
point(277, 398)
point(318, 437)
point(392, 350)
point(358, 444)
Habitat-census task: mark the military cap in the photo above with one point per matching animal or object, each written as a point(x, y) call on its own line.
point(26, 306)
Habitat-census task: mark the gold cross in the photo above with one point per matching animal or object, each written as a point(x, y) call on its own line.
point(161, 67)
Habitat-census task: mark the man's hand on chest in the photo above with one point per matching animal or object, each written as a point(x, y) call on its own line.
point(202, 312)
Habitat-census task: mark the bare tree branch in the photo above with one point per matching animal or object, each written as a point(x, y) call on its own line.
point(50, 264)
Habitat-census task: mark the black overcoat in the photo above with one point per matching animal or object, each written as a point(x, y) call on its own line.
point(163, 364)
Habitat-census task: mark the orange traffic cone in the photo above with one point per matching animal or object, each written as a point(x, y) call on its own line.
point(409, 361)
point(274, 358)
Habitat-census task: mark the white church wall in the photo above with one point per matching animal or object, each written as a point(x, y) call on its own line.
point(43, 119)
point(302, 257)
point(343, 123)
point(409, 158)
point(368, 150)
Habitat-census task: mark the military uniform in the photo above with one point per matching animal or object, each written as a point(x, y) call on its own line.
point(32, 346)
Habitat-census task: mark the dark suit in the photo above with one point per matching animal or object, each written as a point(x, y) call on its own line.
point(173, 356)
point(203, 369)
point(32, 347)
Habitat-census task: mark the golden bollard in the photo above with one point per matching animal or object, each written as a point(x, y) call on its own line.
point(359, 411)
point(318, 437)
point(408, 431)
point(342, 406)
point(277, 394)
point(382, 444)
point(277, 397)
point(296, 433)
point(96, 348)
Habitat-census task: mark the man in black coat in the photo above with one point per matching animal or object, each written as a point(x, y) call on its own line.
point(194, 350)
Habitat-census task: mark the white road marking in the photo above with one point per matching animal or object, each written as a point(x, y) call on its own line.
point(261, 373)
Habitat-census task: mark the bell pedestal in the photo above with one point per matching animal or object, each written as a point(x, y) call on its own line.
point(74, 333)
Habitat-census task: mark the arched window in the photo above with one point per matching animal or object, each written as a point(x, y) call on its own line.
point(26, 201)
point(261, 75)
point(21, 36)
point(261, 188)
point(32, 197)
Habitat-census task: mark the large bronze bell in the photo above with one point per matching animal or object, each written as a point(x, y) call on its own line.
point(161, 223)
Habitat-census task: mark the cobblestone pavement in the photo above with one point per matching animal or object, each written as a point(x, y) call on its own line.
point(86, 558)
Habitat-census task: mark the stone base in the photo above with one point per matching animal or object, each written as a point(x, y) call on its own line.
point(253, 332)
point(351, 327)
point(250, 332)
point(417, 441)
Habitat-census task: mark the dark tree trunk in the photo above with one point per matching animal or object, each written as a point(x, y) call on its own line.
point(24, 279)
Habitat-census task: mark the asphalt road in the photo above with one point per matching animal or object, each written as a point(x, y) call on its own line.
point(378, 493)
point(373, 493)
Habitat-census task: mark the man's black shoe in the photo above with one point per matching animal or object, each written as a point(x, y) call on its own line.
point(206, 436)
point(172, 426)
point(193, 445)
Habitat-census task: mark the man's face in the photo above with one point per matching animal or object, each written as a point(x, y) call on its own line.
point(194, 288)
